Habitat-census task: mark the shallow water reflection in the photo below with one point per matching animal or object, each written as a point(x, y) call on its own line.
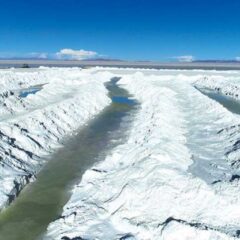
point(41, 202)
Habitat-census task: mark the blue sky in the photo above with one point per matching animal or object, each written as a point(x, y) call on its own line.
point(124, 29)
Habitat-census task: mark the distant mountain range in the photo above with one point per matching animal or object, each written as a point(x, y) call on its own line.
point(216, 61)
point(118, 60)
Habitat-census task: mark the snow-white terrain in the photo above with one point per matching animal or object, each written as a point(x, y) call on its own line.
point(174, 177)
point(227, 85)
point(34, 125)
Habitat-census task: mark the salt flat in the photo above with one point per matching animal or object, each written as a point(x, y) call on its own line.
point(176, 175)
point(146, 188)
point(32, 127)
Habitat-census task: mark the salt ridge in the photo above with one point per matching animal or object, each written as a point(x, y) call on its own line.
point(33, 127)
point(146, 190)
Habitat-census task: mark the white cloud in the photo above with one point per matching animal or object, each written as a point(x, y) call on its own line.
point(40, 55)
point(63, 54)
point(71, 54)
point(185, 58)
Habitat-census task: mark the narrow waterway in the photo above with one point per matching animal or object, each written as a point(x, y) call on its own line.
point(228, 102)
point(41, 202)
point(22, 93)
point(209, 161)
